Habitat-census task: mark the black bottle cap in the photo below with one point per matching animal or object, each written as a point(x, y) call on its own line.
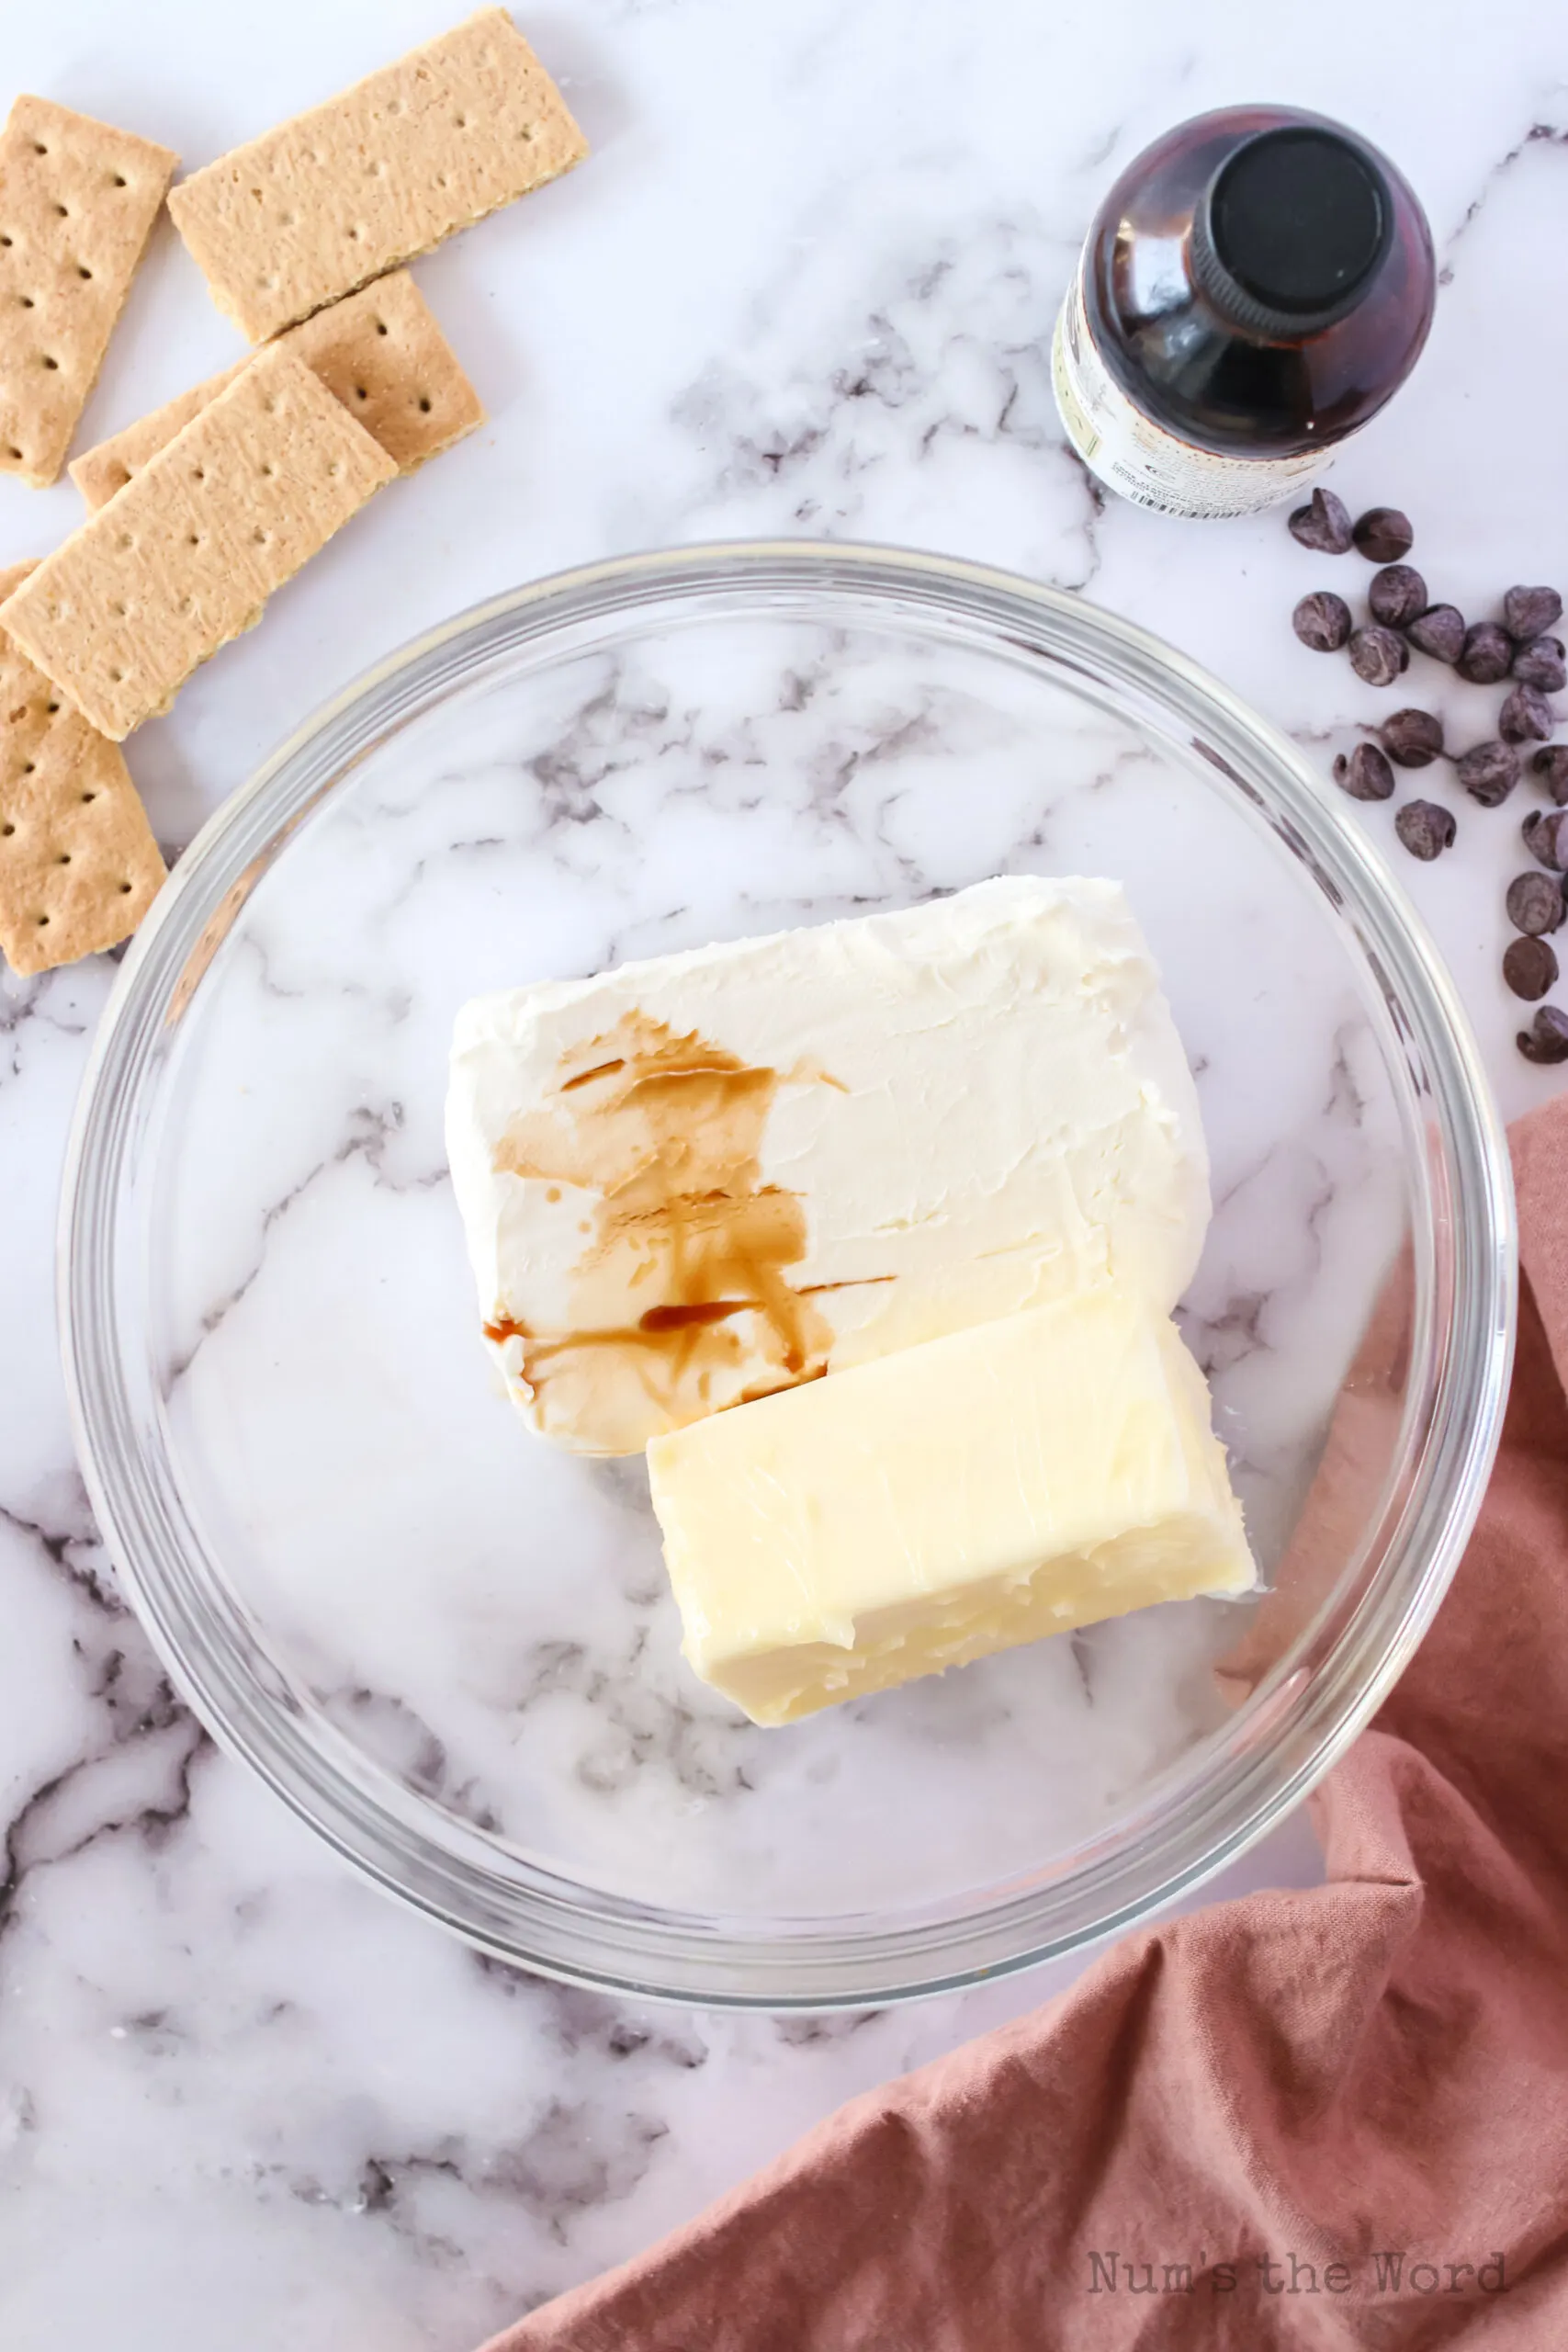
point(1289, 229)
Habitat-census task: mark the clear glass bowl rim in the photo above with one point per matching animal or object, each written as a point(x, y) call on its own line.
point(1337, 1672)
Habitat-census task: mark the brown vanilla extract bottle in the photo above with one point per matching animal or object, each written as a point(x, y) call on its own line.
point(1253, 288)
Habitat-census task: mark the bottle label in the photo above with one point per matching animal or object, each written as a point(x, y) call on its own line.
point(1140, 459)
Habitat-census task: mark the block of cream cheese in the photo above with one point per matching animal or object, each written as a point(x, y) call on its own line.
point(1009, 1481)
point(695, 1180)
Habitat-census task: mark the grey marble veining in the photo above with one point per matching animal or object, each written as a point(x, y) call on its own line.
point(804, 285)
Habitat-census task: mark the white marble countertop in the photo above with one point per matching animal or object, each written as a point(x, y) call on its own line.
point(806, 286)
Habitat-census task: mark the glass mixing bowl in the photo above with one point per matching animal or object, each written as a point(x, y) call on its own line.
point(449, 1646)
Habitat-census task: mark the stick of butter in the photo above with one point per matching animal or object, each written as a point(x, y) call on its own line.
point(1006, 1482)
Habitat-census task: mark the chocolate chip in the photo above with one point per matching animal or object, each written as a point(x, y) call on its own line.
point(1487, 654)
point(1548, 1041)
point(1366, 774)
point(1397, 596)
point(1541, 663)
point(1425, 829)
point(1526, 714)
point(1413, 739)
point(1324, 524)
point(1546, 836)
point(1551, 766)
point(1439, 631)
point(1531, 612)
point(1529, 967)
point(1383, 534)
point(1535, 903)
point(1321, 621)
point(1489, 772)
point(1378, 655)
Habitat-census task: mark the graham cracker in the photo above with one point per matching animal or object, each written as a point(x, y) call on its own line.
point(337, 197)
point(79, 866)
point(77, 200)
point(99, 471)
point(188, 554)
point(379, 351)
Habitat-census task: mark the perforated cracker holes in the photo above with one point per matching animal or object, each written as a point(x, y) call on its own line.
point(78, 864)
point(77, 200)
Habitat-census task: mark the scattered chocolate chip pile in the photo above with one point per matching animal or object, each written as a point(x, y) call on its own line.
point(1522, 649)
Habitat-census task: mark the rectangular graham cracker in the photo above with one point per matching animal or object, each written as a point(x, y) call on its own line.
point(333, 198)
point(379, 351)
point(79, 866)
point(188, 554)
point(77, 200)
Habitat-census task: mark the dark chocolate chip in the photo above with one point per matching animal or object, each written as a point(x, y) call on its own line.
point(1439, 631)
point(1541, 663)
point(1531, 612)
point(1383, 534)
point(1378, 655)
point(1324, 524)
point(1535, 904)
point(1366, 774)
point(1397, 596)
point(1413, 739)
point(1424, 828)
point(1489, 772)
point(1546, 836)
point(1529, 967)
point(1487, 654)
point(1548, 1041)
point(1321, 621)
point(1552, 766)
point(1526, 717)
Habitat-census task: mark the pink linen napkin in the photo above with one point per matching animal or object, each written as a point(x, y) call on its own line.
point(1323, 2118)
